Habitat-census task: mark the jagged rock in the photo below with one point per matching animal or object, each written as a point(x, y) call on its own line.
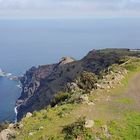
point(66, 60)
point(89, 124)
point(7, 134)
point(72, 87)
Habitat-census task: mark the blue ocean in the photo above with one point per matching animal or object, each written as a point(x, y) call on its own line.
point(32, 42)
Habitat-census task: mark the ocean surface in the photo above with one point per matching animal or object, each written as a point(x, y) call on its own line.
point(32, 42)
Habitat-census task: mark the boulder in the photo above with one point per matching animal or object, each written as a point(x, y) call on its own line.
point(28, 115)
point(89, 123)
point(31, 134)
point(7, 134)
point(65, 60)
point(11, 126)
point(91, 103)
point(72, 87)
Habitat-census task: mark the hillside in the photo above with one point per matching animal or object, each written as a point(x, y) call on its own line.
point(42, 83)
point(100, 102)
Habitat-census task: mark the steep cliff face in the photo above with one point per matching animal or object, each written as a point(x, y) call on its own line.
point(39, 85)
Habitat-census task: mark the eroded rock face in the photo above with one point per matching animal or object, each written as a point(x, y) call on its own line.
point(7, 134)
point(39, 85)
point(66, 60)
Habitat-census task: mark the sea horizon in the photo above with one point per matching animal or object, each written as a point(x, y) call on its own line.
point(33, 42)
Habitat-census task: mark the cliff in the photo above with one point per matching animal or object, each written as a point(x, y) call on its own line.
point(39, 85)
point(98, 99)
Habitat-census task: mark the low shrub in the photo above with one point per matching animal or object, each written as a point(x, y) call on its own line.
point(59, 98)
point(77, 130)
point(87, 80)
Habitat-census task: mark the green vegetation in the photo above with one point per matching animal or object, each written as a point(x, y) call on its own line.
point(87, 81)
point(113, 116)
point(124, 101)
point(128, 129)
point(77, 130)
point(133, 64)
point(60, 98)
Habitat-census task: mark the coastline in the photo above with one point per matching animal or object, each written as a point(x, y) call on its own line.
point(16, 112)
point(6, 76)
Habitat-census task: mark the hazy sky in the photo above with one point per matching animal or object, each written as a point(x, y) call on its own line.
point(69, 8)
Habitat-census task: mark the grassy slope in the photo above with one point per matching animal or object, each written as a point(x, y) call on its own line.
point(114, 108)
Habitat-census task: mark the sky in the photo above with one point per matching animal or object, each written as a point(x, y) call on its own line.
point(69, 8)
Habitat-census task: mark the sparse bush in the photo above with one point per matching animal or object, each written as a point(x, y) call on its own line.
point(77, 130)
point(64, 110)
point(131, 67)
point(55, 138)
point(87, 81)
point(59, 98)
point(75, 98)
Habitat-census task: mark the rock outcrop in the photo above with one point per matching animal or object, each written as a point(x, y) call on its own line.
point(7, 134)
point(39, 85)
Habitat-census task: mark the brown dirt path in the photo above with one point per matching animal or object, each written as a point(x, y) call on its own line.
point(113, 105)
point(133, 91)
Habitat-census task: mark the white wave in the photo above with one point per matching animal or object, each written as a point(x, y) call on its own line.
point(16, 112)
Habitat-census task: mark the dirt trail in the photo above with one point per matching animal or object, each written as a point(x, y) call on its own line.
point(133, 91)
point(112, 106)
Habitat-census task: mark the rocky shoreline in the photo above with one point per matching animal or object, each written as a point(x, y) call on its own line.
point(10, 76)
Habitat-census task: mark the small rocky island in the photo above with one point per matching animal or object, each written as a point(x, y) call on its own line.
point(10, 76)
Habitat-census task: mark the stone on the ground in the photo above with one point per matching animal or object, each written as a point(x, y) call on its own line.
point(28, 115)
point(31, 134)
point(84, 98)
point(11, 126)
point(89, 124)
point(91, 103)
